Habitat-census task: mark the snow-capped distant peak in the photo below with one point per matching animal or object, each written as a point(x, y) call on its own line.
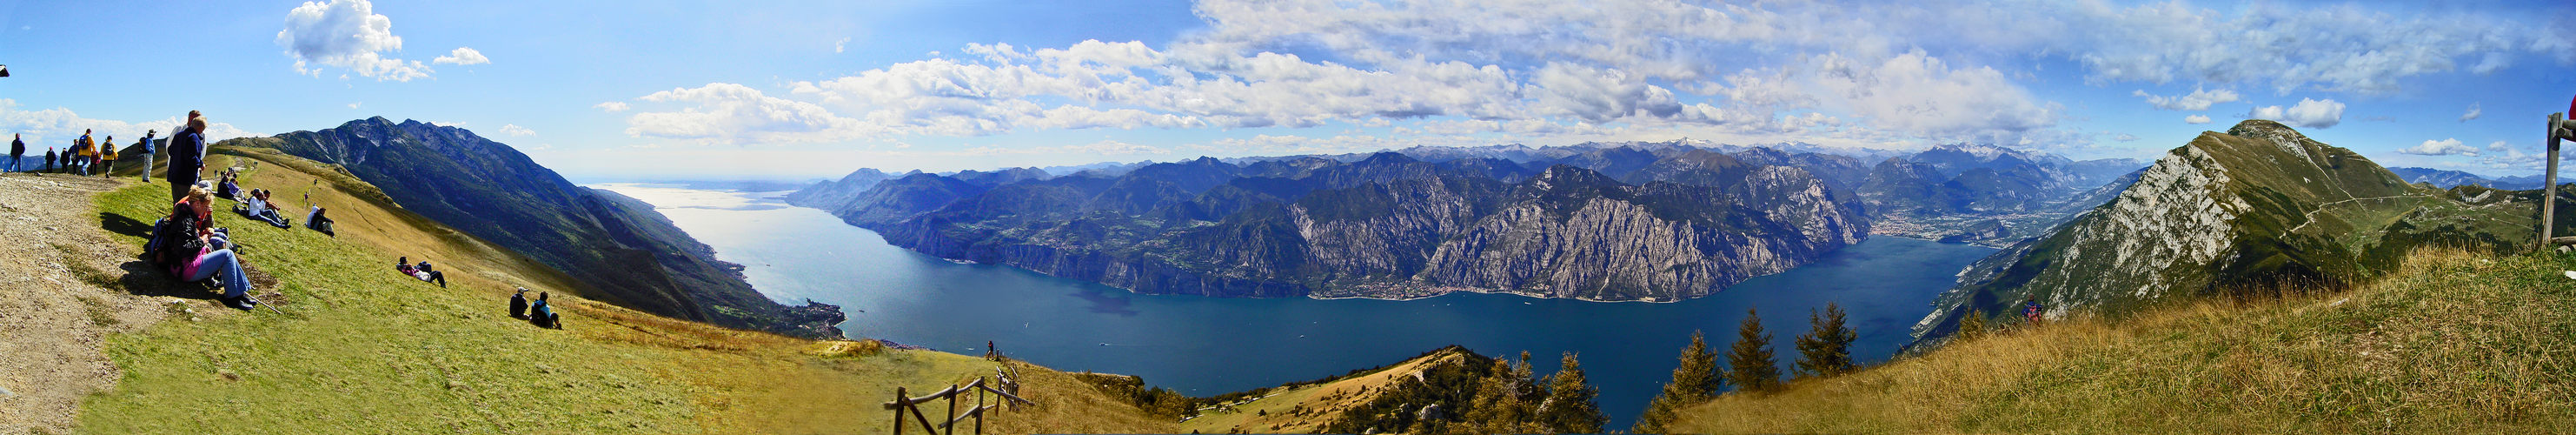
point(1982, 151)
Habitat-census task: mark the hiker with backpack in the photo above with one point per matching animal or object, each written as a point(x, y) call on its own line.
point(543, 314)
point(192, 250)
point(107, 157)
point(145, 146)
point(187, 155)
point(17, 151)
point(2031, 310)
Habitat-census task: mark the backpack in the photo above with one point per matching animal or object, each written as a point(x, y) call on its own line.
point(173, 240)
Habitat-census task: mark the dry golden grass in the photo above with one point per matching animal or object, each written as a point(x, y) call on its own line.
point(2453, 342)
point(1306, 409)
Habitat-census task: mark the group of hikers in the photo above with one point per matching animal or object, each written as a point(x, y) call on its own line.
point(84, 157)
point(188, 245)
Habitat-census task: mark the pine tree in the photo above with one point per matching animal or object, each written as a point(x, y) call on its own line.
point(1750, 364)
point(1570, 407)
point(1695, 379)
point(1971, 326)
point(1503, 401)
point(1825, 350)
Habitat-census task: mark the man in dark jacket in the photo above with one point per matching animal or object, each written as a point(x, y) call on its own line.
point(17, 150)
point(187, 156)
point(49, 163)
point(519, 304)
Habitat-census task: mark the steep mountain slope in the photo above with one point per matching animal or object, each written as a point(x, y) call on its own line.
point(2255, 207)
point(355, 348)
point(1387, 226)
point(621, 251)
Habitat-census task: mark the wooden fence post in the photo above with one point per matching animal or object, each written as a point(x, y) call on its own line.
point(979, 406)
point(2549, 187)
point(899, 397)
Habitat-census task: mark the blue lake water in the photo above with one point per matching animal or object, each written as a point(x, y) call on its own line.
point(1204, 346)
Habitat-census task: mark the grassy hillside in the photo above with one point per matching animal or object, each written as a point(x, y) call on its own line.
point(2450, 342)
point(1306, 408)
point(360, 349)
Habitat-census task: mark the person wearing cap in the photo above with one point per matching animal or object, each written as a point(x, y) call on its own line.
point(145, 146)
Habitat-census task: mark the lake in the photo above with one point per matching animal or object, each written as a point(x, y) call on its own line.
point(1204, 346)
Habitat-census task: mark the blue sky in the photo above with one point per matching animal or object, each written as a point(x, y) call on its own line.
point(815, 89)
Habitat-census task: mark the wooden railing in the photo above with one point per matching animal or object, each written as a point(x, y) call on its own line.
point(1008, 395)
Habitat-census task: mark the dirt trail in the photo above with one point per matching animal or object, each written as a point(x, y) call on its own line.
point(63, 290)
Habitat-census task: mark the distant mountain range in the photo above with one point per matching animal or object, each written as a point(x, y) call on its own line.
point(1602, 221)
point(624, 251)
point(2446, 179)
point(2253, 210)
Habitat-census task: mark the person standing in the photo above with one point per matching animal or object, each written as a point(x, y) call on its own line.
point(107, 157)
point(17, 151)
point(82, 150)
point(49, 161)
point(146, 145)
point(187, 155)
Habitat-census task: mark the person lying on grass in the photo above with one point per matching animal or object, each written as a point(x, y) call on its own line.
point(421, 273)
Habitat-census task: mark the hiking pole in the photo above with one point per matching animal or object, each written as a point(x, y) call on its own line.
point(254, 300)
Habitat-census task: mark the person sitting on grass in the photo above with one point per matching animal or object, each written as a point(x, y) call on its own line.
point(208, 257)
point(316, 221)
point(256, 206)
point(519, 304)
point(423, 274)
point(225, 188)
point(543, 315)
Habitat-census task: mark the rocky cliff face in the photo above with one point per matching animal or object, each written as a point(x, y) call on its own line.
point(2255, 207)
point(1389, 226)
point(623, 250)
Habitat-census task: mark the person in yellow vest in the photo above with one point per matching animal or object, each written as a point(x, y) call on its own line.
point(79, 161)
point(107, 156)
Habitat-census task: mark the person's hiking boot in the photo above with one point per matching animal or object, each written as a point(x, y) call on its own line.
point(238, 303)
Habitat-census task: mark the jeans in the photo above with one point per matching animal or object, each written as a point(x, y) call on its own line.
point(223, 264)
point(13, 163)
point(147, 167)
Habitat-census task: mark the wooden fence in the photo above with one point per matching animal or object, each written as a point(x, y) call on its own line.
point(1008, 394)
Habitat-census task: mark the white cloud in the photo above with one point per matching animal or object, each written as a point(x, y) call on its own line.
point(516, 130)
point(60, 125)
point(347, 34)
point(2474, 111)
point(1101, 148)
point(2197, 100)
point(355, 104)
point(462, 56)
point(2196, 119)
point(732, 113)
point(2307, 114)
point(2444, 147)
point(1870, 71)
point(2125, 137)
point(839, 46)
point(612, 106)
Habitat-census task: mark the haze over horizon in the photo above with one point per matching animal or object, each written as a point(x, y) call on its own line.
point(798, 90)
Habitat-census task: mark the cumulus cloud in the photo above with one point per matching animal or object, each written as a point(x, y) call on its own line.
point(347, 34)
point(2307, 114)
point(516, 130)
point(2444, 147)
point(841, 45)
point(42, 128)
point(2196, 119)
point(462, 56)
point(2474, 111)
point(2197, 100)
point(733, 113)
point(612, 106)
point(2125, 137)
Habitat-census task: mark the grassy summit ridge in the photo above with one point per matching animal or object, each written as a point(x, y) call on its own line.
point(363, 350)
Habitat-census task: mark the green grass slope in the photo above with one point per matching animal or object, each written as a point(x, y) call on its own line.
point(2450, 342)
point(360, 349)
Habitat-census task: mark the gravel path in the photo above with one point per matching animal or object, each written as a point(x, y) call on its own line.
point(63, 290)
